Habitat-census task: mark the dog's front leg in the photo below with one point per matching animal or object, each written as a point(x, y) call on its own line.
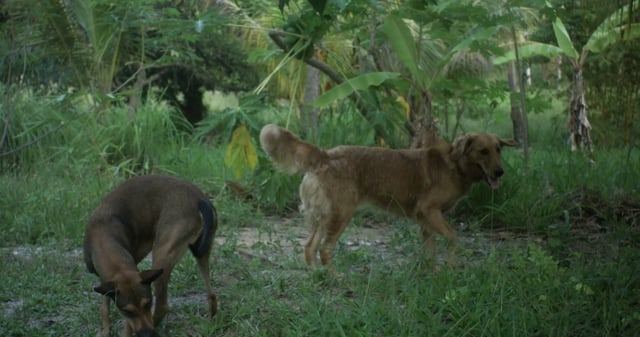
point(126, 330)
point(433, 221)
point(429, 241)
point(165, 257)
point(162, 306)
point(104, 316)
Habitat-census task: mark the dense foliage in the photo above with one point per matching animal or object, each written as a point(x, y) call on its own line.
point(123, 49)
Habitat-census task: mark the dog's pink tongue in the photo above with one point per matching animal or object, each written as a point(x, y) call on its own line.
point(494, 183)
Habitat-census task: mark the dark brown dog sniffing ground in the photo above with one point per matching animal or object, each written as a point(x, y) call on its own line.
point(153, 213)
point(419, 184)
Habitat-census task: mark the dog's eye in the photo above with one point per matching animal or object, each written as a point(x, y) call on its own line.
point(127, 313)
point(498, 150)
point(484, 152)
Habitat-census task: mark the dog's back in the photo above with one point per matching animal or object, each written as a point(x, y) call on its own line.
point(390, 179)
point(139, 199)
point(138, 206)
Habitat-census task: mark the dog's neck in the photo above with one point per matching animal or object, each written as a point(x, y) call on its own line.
point(467, 172)
point(120, 260)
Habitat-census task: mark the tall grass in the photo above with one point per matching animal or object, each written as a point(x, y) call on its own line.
point(556, 187)
point(66, 156)
point(99, 149)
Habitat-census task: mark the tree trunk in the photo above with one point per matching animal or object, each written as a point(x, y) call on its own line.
point(558, 72)
point(517, 117)
point(459, 109)
point(579, 126)
point(309, 114)
point(423, 126)
point(137, 92)
point(628, 116)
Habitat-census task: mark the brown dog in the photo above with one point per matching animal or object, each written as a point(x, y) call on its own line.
point(419, 184)
point(158, 214)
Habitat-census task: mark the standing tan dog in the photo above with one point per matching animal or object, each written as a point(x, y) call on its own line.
point(158, 214)
point(419, 184)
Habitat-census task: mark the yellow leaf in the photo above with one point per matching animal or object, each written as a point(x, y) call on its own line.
point(405, 106)
point(241, 154)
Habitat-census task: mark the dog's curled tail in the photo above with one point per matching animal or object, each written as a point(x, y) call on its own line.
point(289, 153)
point(210, 223)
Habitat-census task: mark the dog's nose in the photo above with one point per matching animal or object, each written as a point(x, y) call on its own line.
point(498, 172)
point(147, 333)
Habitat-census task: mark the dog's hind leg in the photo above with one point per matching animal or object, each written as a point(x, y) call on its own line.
point(203, 267)
point(201, 250)
point(311, 247)
point(334, 230)
point(315, 208)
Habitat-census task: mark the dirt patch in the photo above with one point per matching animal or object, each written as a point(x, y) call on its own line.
point(391, 242)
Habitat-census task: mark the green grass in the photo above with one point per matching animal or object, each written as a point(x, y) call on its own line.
point(512, 292)
point(568, 266)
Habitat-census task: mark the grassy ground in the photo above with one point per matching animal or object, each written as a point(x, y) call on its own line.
point(505, 287)
point(554, 252)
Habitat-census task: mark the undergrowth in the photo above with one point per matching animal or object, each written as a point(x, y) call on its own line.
point(577, 278)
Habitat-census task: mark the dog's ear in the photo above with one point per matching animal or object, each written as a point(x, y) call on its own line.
point(507, 142)
point(106, 289)
point(461, 145)
point(150, 275)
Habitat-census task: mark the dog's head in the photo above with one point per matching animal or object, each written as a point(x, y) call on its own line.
point(478, 156)
point(131, 293)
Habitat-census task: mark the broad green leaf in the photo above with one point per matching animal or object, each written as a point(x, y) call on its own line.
point(614, 29)
point(241, 154)
point(529, 50)
point(352, 85)
point(601, 40)
point(564, 41)
point(402, 42)
point(617, 18)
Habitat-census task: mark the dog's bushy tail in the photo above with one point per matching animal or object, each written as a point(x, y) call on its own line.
point(289, 153)
point(210, 223)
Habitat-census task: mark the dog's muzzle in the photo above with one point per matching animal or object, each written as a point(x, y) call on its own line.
point(493, 180)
